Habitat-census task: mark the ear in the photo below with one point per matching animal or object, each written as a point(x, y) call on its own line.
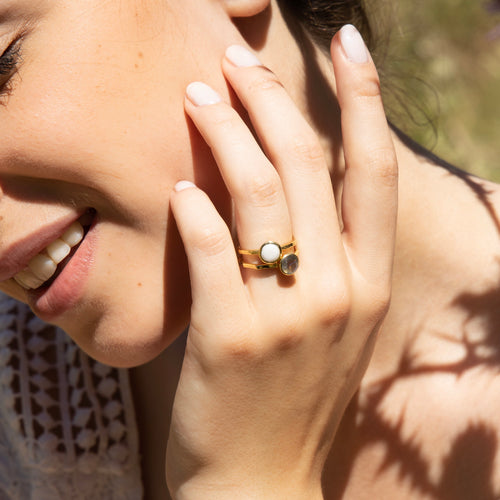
point(244, 8)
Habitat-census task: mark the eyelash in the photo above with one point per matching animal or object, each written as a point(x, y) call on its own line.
point(9, 63)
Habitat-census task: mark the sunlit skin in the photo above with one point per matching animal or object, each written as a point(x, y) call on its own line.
point(97, 120)
point(96, 117)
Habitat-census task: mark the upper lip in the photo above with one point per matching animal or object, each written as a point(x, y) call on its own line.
point(16, 256)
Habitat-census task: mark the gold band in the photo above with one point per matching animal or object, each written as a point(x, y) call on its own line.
point(259, 267)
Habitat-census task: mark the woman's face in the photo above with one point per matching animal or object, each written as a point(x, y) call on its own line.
point(92, 118)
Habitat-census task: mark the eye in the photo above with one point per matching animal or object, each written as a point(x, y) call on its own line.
point(9, 63)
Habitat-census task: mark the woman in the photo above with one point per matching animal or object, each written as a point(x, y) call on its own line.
point(109, 147)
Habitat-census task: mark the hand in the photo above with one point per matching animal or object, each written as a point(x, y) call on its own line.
point(272, 361)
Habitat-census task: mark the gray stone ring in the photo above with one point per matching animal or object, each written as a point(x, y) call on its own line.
point(272, 255)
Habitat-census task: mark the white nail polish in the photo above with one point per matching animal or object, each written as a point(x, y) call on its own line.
point(181, 185)
point(200, 94)
point(353, 44)
point(242, 57)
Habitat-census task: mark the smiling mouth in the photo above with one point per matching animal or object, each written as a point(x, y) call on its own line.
point(44, 268)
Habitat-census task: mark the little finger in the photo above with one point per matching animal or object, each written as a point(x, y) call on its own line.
point(216, 284)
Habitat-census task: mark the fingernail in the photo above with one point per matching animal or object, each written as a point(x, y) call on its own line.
point(200, 94)
point(353, 44)
point(242, 57)
point(181, 185)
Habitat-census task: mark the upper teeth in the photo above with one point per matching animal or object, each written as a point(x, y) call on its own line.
point(44, 265)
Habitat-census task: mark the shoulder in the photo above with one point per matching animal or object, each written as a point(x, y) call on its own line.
point(429, 431)
point(447, 428)
point(425, 422)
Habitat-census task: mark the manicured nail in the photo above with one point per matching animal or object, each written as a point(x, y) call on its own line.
point(353, 44)
point(200, 94)
point(181, 185)
point(242, 57)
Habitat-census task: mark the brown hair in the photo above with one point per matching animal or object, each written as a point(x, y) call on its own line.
point(321, 19)
point(408, 115)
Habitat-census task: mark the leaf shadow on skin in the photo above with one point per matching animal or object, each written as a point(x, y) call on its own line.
point(467, 467)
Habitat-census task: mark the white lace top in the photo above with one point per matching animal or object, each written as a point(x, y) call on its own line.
point(67, 425)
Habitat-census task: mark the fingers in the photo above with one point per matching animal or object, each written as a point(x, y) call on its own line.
point(254, 185)
point(281, 186)
point(369, 204)
point(295, 152)
point(216, 283)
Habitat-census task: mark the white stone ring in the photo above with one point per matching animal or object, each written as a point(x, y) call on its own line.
point(272, 256)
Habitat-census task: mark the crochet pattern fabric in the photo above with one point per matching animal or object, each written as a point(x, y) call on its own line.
point(67, 425)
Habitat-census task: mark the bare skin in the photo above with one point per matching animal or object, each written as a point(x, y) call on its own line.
point(441, 282)
point(424, 424)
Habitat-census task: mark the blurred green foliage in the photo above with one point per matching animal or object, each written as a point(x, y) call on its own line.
point(440, 69)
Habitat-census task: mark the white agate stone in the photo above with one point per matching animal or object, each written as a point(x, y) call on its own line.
point(270, 252)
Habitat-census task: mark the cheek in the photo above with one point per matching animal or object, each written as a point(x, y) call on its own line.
point(98, 115)
point(138, 299)
point(120, 130)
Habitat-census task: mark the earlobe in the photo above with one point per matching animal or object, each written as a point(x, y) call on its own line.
point(244, 8)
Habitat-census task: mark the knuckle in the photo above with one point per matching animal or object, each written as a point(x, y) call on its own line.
point(381, 302)
point(222, 117)
point(238, 348)
point(263, 190)
point(306, 148)
point(232, 341)
point(334, 305)
point(264, 82)
point(210, 241)
point(376, 302)
point(339, 310)
point(274, 338)
point(288, 340)
point(367, 88)
point(384, 165)
point(290, 334)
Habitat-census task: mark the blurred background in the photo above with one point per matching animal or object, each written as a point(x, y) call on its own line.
point(440, 66)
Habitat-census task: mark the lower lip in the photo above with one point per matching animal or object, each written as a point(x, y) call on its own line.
point(67, 289)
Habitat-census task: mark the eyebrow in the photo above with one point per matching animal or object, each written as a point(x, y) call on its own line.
point(12, 10)
point(6, 9)
point(18, 16)
point(7, 13)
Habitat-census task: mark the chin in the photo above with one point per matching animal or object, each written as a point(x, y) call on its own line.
point(123, 343)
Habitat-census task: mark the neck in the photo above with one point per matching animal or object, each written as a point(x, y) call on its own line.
point(447, 264)
point(448, 222)
point(448, 238)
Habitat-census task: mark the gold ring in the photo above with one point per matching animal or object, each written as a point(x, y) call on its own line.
point(272, 256)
